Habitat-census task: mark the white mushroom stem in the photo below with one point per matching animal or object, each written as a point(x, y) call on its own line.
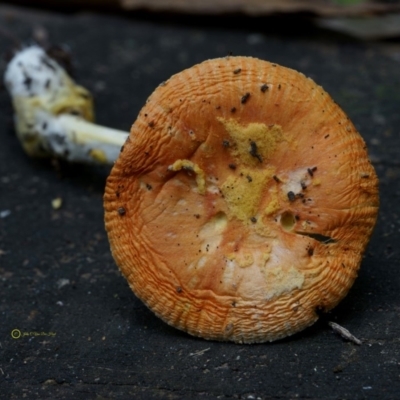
point(53, 115)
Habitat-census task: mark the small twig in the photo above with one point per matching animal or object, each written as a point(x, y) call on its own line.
point(344, 333)
point(199, 352)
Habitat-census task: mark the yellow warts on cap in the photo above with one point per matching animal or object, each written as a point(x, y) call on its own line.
point(241, 260)
point(246, 258)
point(273, 204)
point(254, 142)
point(316, 182)
point(98, 156)
point(281, 280)
point(244, 191)
point(191, 166)
point(262, 229)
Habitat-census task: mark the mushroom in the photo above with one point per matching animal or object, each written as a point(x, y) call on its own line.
point(240, 204)
point(242, 201)
point(53, 115)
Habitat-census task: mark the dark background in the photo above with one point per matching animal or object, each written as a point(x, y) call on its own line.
point(56, 271)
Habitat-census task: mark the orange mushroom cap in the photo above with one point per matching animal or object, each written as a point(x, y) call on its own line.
point(242, 201)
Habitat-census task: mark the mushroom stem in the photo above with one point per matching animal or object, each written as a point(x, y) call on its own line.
point(53, 115)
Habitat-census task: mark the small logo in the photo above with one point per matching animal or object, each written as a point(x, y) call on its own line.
point(16, 334)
